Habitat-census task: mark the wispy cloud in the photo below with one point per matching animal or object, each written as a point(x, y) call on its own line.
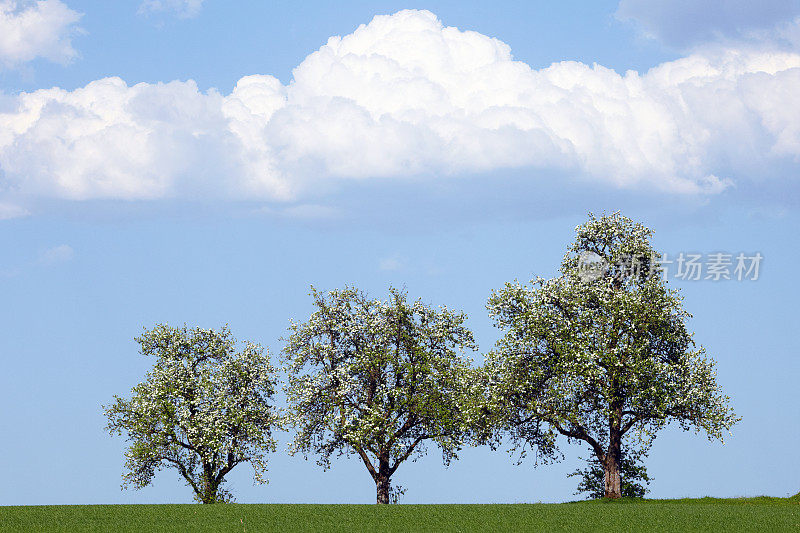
point(391, 263)
point(57, 254)
point(406, 96)
point(29, 30)
point(180, 8)
point(48, 257)
point(684, 24)
point(9, 211)
point(301, 211)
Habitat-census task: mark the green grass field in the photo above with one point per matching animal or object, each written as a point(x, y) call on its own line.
point(706, 514)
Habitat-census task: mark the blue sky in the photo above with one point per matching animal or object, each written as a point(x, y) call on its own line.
point(205, 162)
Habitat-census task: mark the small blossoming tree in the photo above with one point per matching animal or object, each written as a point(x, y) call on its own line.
point(379, 379)
point(601, 354)
point(203, 409)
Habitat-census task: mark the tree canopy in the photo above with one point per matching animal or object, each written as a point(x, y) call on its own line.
point(601, 352)
point(379, 379)
point(202, 409)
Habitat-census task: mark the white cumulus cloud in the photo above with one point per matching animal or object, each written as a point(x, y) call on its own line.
point(31, 29)
point(407, 96)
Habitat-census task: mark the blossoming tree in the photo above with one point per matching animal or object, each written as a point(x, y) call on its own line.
point(203, 409)
point(601, 352)
point(379, 379)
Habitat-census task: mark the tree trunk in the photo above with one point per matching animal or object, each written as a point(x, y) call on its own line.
point(611, 466)
point(383, 482)
point(209, 486)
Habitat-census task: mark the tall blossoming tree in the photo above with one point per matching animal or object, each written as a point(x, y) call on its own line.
point(601, 353)
point(379, 380)
point(203, 409)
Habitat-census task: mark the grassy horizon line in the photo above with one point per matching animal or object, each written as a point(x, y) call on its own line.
point(757, 513)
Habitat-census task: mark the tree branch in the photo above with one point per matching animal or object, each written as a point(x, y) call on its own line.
point(636, 417)
point(407, 453)
point(408, 424)
point(367, 462)
point(183, 472)
point(580, 433)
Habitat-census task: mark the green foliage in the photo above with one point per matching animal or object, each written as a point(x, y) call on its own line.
point(203, 409)
point(598, 357)
point(379, 379)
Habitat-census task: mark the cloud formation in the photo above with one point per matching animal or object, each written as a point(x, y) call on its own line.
point(685, 24)
point(57, 254)
point(181, 8)
point(407, 96)
point(29, 30)
point(391, 263)
point(9, 211)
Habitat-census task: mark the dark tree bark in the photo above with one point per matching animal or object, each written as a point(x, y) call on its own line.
point(383, 482)
point(209, 486)
point(382, 485)
point(613, 457)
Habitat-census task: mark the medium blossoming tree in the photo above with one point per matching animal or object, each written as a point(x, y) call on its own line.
point(203, 409)
point(379, 380)
point(601, 353)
